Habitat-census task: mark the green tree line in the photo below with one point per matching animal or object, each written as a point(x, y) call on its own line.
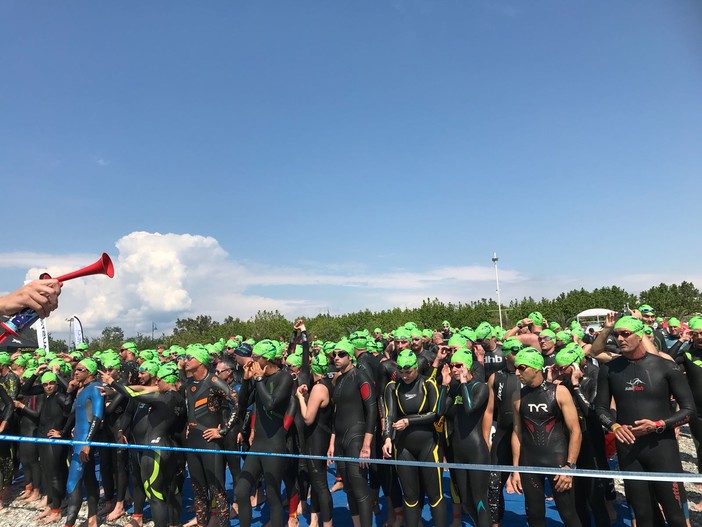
point(681, 301)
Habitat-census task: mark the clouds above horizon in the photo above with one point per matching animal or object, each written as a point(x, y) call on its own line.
point(162, 277)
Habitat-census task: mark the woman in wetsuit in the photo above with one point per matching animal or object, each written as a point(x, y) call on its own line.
point(463, 400)
point(166, 417)
point(409, 435)
point(273, 389)
point(52, 413)
point(317, 411)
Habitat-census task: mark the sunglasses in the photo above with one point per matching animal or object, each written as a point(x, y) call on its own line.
point(340, 354)
point(522, 367)
point(189, 357)
point(52, 383)
point(222, 371)
point(623, 333)
point(696, 334)
point(456, 365)
point(406, 368)
point(255, 357)
point(416, 339)
point(81, 370)
point(544, 338)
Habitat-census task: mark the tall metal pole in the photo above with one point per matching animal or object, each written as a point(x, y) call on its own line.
point(497, 284)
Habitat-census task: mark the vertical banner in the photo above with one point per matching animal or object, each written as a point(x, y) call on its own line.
point(42, 334)
point(77, 332)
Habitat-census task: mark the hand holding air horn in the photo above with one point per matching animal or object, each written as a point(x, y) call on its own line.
point(27, 317)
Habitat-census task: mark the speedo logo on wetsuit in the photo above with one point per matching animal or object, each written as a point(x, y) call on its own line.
point(635, 385)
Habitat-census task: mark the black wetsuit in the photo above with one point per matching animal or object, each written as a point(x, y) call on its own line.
point(419, 441)
point(642, 390)
point(114, 462)
point(494, 361)
point(355, 415)
point(206, 401)
point(691, 360)
point(544, 443)
point(590, 493)
point(11, 385)
point(272, 399)
point(52, 414)
point(29, 452)
point(464, 406)
point(159, 468)
point(506, 387)
point(317, 437)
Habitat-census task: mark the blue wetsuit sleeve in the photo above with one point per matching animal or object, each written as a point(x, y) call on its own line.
point(474, 397)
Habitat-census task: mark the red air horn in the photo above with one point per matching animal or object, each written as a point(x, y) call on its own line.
point(27, 317)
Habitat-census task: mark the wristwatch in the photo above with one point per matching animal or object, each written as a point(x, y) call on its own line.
point(660, 427)
point(570, 465)
point(259, 378)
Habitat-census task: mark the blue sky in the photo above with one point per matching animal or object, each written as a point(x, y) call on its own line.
point(304, 156)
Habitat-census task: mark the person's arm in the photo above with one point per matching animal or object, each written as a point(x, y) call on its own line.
point(516, 444)
point(22, 407)
point(570, 418)
point(280, 396)
point(29, 388)
point(366, 389)
point(39, 295)
point(319, 398)
point(390, 416)
point(98, 403)
point(682, 393)
point(8, 410)
point(597, 350)
point(488, 416)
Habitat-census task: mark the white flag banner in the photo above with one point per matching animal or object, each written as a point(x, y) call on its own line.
point(77, 332)
point(42, 334)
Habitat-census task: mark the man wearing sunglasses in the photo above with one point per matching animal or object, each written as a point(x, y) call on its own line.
point(504, 386)
point(493, 358)
point(546, 434)
point(642, 384)
point(89, 410)
point(354, 425)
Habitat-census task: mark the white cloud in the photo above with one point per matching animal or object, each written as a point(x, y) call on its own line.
point(162, 277)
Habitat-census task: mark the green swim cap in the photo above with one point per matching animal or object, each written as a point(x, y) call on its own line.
point(511, 345)
point(150, 367)
point(648, 329)
point(320, 364)
point(411, 325)
point(199, 353)
point(633, 324)
point(483, 331)
point(40, 352)
point(530, 357)
point(21, 361)
point(463, 356)
point(457, 341)
point(695, 323)
point(446, 323)
point(266, 348)
point(82, 347)
point(673, 322)
point(575, 348)
point(344, 345)
point(377, 330)
point(548, 333)
point(645, 309)
point(428, 333)
point(48, 377)
point(536, 317)
point(147, 355)
point(294, 360)
point(578, 332)
point(111, 362)
point(358, 339)
point(90, 365)
point(468, 334)
point(328, 347)
point(554, 326)
point(28, 373)
point(564, 337)
point(231, 343)
point(168, 373)
point(575, 325)
point(5, 358)
point(402, 334)
point(407, 359)
point(130, 346)
point(499, 332)
point(566, 357)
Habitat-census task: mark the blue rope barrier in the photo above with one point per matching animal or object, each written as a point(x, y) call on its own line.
point(648, 476)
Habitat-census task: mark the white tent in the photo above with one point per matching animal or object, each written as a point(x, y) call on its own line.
point(595, 313)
